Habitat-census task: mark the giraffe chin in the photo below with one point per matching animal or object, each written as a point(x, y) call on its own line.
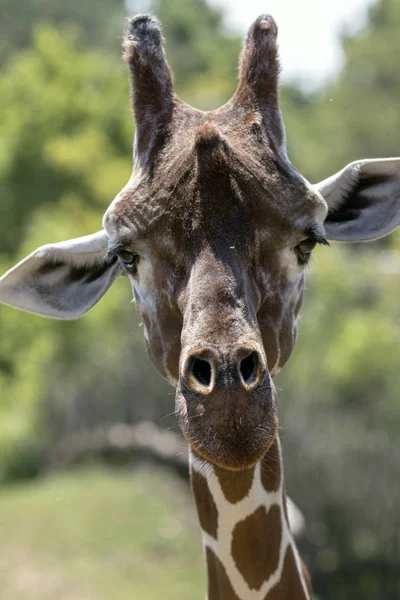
point(231, 440)
point(231, 462)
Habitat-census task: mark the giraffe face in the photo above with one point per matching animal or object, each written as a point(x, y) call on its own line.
point(221, 232)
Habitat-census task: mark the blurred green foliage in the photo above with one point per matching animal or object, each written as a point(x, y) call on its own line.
point(356, 115)
point(65, 151)
point(99, 21)
point(57, 542)
point(65, 136)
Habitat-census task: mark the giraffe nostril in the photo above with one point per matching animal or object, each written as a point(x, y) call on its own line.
point(249, 367)
point(201, 370)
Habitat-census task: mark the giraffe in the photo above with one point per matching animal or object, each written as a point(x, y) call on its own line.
point(213, 231)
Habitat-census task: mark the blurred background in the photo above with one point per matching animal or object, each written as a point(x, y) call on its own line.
point(94, 498)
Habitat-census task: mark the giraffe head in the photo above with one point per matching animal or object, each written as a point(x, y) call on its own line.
point(213, 230)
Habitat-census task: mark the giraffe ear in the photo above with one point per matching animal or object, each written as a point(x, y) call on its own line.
point(363, 200)
point(63, 280)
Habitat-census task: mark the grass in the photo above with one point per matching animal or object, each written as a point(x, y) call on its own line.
point(100, 534)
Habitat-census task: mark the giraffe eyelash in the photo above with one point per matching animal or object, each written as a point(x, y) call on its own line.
point(304, 249)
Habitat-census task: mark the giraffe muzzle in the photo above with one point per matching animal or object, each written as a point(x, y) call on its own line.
point(226, 403)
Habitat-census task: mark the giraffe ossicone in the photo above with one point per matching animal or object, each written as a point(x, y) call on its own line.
point(213, 231)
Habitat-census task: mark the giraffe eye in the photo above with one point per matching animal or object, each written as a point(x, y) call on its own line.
point(128, 258)
point(303, 251)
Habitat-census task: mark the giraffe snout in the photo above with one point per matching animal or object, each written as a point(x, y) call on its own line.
point(226, 403)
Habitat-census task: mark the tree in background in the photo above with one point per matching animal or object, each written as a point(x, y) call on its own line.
point(203, 53)
point(99, 20)
point(357, 114)
point(64, 130)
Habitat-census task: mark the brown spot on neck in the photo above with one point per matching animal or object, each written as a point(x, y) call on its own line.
point(256, 544)
point(235, 484)
point(219, 586)
point(271, 469)
point(206, 509)
point(289, 586)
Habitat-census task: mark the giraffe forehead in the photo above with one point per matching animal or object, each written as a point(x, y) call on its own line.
point(240, 193)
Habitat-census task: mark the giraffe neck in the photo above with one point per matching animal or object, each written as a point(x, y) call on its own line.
point(249, 549)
